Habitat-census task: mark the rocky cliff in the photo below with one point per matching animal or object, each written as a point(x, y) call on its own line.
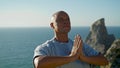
point(105, 43)
point(98, 36)
point(113, 55)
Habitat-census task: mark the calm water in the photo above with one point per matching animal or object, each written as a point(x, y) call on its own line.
point(17, 44)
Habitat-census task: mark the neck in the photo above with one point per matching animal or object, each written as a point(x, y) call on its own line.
point(62, 37)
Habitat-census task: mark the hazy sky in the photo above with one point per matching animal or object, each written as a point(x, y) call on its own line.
point(36, 13)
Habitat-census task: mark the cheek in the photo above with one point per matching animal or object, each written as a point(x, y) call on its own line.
point(56, 28)
point(59, 26)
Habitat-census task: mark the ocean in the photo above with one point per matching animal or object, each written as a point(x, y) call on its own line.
point(17, 44)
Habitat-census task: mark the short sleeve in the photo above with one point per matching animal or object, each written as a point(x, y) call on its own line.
point(39, 51)
point(89, 51)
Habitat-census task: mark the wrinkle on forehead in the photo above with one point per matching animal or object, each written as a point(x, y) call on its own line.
point(62, 15)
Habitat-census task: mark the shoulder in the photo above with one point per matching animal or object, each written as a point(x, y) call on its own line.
point(43, 49)
point(46, 44)
point(88, 50)
point(86, 45)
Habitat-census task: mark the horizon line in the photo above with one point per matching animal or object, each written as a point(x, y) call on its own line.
point(47, 26)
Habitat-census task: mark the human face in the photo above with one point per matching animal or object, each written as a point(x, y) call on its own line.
point(62, 23)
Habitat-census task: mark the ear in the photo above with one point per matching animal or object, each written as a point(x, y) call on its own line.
point(52, 25)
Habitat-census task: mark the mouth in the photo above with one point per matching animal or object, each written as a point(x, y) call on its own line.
point(67, 27)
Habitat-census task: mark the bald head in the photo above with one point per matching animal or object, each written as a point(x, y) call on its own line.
point(60, 22)
point(57, 14)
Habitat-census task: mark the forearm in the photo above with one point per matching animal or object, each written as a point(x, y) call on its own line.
point(53, 61)
point(97, 60)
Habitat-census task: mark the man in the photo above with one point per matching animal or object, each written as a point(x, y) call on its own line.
point(62, 52)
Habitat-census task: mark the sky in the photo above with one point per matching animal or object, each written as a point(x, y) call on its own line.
point(37, 13)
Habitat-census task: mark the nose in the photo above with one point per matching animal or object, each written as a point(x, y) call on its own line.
point(65, 22)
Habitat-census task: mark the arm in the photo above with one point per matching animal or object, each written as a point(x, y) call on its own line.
point(54, 61)
point(96, 60)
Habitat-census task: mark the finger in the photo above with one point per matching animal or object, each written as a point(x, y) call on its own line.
point(80, 40)
point(79, 36)
point(76, 40)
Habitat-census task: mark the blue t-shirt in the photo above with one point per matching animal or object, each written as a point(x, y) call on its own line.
point(55, 48)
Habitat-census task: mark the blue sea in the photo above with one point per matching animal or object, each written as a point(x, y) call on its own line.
point(17, 44)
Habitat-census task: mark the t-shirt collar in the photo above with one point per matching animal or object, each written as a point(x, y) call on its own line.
point(54, 40)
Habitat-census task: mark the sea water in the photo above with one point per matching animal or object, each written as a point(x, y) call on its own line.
point(17, 44)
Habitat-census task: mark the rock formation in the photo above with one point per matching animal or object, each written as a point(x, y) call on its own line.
point(98, 36)
point(113, 55)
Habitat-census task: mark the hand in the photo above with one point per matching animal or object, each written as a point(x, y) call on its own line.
point(77, 47)
point(81, 55)
point(81, 47)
